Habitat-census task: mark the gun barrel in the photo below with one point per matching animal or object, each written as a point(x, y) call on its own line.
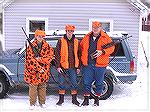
point(114, 43)
point(24, 32)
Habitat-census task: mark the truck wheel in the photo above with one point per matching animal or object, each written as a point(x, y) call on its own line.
point(107, 90)
point(3, 87)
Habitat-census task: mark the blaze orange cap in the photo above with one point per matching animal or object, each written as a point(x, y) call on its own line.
point(40, 32)
point(96, 24)
point(70, 27)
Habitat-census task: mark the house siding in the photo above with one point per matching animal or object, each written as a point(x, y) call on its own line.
point(69, 1)
point(125, 18)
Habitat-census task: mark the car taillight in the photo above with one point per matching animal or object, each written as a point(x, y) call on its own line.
point(131, 66)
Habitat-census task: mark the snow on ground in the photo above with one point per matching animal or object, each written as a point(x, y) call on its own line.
point(126, 97)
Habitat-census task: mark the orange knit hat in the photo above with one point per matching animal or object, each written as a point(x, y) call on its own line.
point(70, 27)
point(96, 24)
point(40, 32)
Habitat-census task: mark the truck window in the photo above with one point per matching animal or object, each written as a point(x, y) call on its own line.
point(53, 43)
point(118, 50)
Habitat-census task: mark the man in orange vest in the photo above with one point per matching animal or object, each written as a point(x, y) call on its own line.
point(94, 60)
point(39, 54)
point(67, 57)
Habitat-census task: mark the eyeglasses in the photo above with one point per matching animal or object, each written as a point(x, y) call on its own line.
point(96, 28)
point(40, 36)
point(70, 30)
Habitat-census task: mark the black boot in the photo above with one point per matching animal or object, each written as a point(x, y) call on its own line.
point(86, 101)
point(61, 99)
point(96, 101)
point(74, 100)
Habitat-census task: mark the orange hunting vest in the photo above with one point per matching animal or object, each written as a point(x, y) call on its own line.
point(64, 53)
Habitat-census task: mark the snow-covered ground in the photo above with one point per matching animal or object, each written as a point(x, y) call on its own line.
point(126, 97)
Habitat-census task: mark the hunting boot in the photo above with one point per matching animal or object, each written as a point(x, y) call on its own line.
point(96, 101)
point(86, 101)
point(74, 100)
point(61, 99)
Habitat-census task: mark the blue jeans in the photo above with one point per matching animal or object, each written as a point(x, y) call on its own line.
point(92, 73)
point(71, 78)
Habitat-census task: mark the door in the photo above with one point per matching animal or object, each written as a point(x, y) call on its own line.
point(118, 60)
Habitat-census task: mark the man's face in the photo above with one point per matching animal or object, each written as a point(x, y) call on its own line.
point(69, 33)
point(96, 30)
point(39, 38)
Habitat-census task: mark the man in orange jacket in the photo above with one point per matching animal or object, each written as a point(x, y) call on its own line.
point(67, 57)
point(37, 68)
point(94, 60)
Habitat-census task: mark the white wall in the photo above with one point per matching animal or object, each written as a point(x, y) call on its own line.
point(69, 1)
point(124, 15)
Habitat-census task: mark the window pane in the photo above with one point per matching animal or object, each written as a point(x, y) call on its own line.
point(34, 24)
point(31, 36)
point(118, 50)
point(53, 43)
point(106, 26)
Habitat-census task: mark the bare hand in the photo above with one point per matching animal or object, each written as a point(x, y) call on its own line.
point(41, 71)
point(97, 54)
point(78, 71)
point(39, 58)
point(59, 70)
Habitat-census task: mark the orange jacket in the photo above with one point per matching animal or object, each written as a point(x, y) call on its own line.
point(64, 53)
point(33, 66)
point(101, 61)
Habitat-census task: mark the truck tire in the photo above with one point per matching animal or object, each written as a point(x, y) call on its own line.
point(107, 90)
point(4, 87)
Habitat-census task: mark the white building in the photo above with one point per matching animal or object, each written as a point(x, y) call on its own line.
point(115, 15)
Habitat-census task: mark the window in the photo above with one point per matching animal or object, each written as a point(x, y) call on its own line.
point(53, 43)
point(107, 24)
point(118, 50)
point(33, 23)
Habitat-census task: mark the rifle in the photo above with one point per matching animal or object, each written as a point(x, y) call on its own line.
point(35, 50)
point(113, 43)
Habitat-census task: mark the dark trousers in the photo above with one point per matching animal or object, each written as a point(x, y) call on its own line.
point(92, 73)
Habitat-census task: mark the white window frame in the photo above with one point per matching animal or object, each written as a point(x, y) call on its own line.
point(102, 20)
point(37, 19)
